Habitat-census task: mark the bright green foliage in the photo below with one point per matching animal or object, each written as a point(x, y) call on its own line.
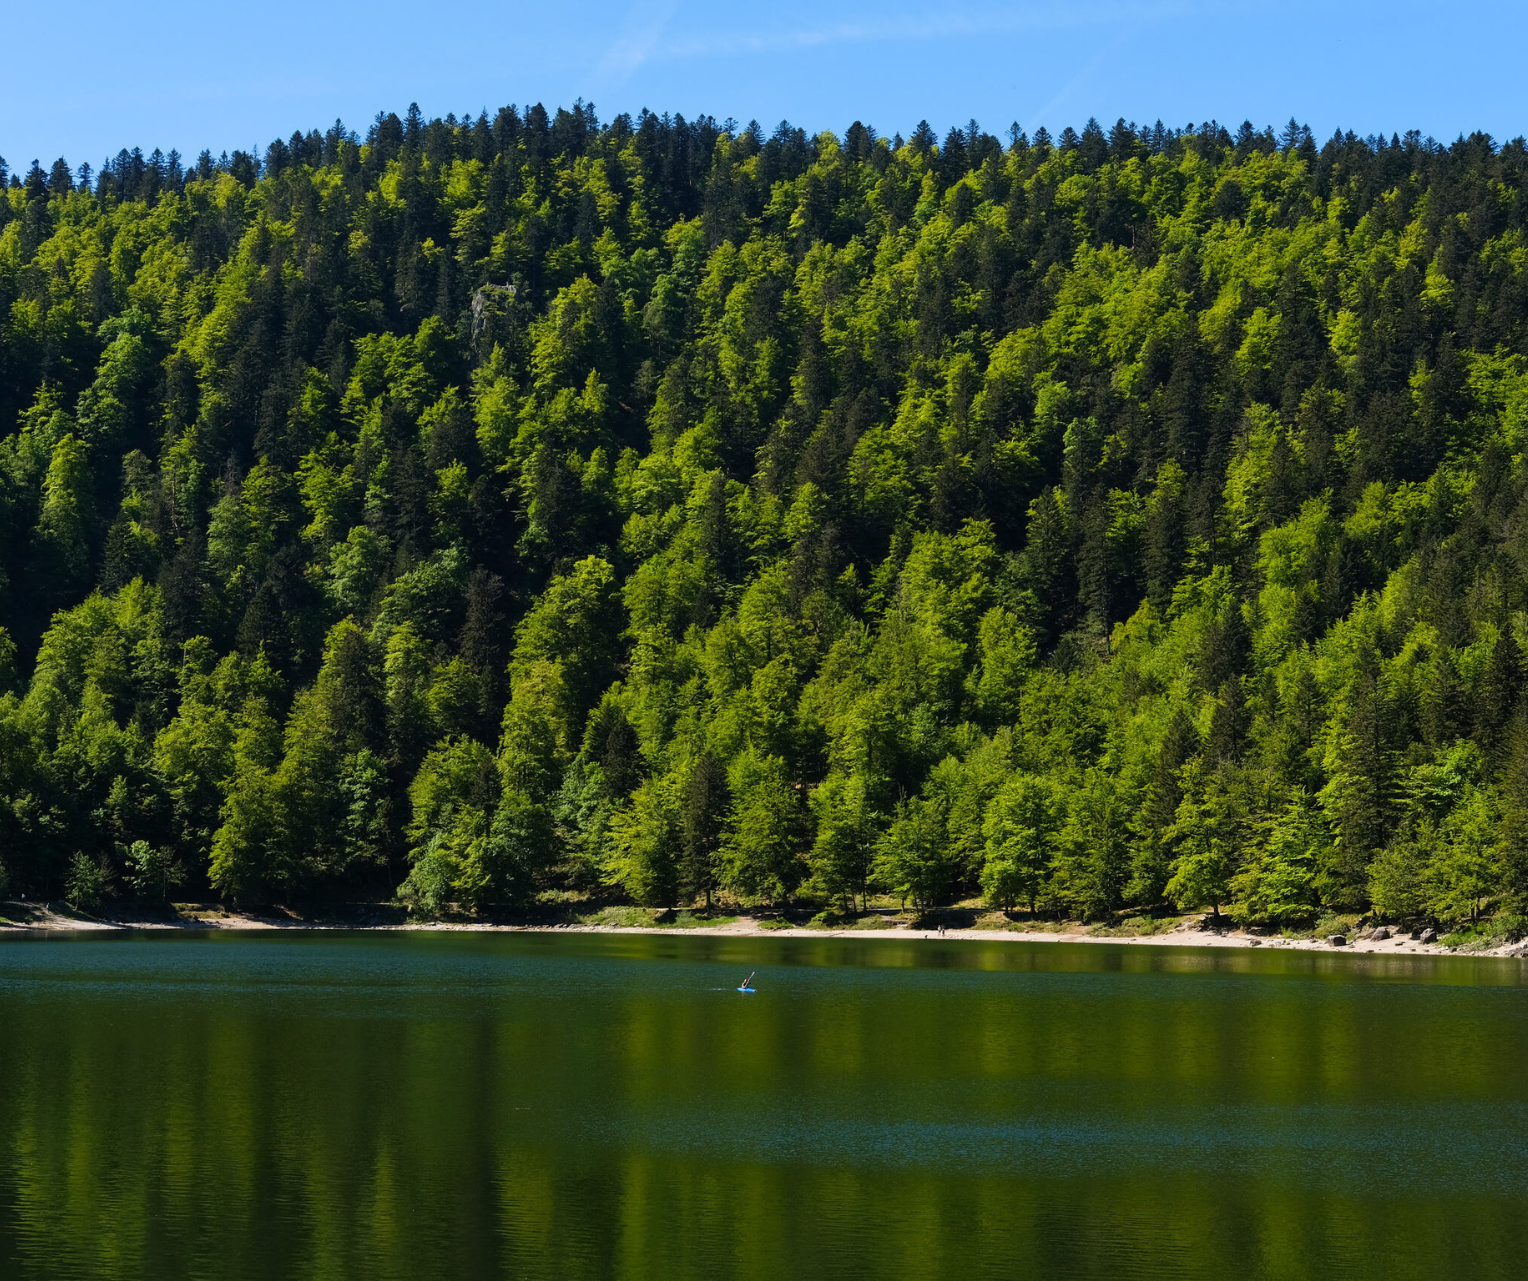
point(1022, 827)
point(764, 851)
point(249, 852)
point(646, 839)
point(1091, 526)
point(843, 853)
point(1449, 863)
point(151, 872)
point(1093, 867)
point(704, 810)
point(1209, 834)
point(64, 525)
point(88, 882)
point(1277, 883)
point(915, 858)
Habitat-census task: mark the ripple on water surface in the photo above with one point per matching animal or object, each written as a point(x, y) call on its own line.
point(407, 1104)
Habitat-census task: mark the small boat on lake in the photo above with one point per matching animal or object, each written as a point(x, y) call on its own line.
point(747, 984)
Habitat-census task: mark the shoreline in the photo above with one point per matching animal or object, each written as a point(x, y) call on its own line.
point(44, 921)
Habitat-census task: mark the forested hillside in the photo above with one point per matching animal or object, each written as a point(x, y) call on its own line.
point(1118, 520)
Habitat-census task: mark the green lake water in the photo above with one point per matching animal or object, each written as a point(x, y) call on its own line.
point(434, 1105)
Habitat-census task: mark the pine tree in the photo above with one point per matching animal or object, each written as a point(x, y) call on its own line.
point(1360, 798)
point(1500, 688)
point(703, 814)
point(1151, 861)
point(1209, 834)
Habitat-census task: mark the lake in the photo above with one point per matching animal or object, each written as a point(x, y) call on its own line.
point(463, 1105)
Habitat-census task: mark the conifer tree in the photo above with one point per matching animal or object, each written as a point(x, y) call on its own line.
point(732, 560)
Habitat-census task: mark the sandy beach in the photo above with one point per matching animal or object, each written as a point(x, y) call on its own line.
point(43, 919)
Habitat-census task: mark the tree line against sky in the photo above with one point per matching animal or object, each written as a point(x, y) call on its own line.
point(1127, 520)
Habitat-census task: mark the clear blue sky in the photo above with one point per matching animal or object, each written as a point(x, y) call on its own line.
point(84, 79)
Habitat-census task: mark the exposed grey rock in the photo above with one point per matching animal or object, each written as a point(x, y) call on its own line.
point(1337, 940)
point(1381, 934)
point(1428, 936)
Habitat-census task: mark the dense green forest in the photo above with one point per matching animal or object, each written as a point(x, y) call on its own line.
point(498, 508)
